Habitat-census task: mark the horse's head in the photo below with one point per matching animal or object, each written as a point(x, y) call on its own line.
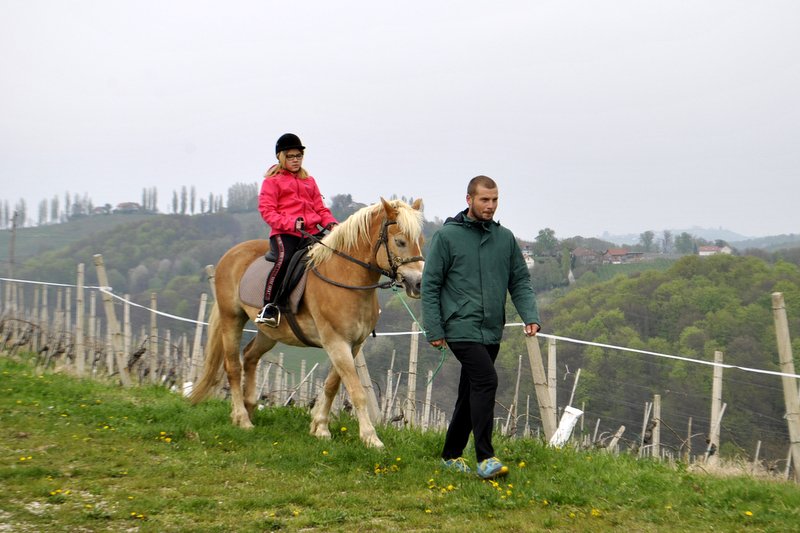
point(401, 239)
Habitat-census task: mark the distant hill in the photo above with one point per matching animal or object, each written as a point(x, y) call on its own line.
point(709, 234)
point(770, 244)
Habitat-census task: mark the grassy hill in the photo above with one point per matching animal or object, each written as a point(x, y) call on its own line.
point(79, 455)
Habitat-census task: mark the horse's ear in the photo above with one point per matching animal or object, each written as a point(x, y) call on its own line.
point(417, 205)
point(391, 211)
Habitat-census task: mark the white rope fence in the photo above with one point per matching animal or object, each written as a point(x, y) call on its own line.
point(109, 290)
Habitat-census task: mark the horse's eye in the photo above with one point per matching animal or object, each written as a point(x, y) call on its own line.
point(400, 242)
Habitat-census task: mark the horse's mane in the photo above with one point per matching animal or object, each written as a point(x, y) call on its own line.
point(355, 228)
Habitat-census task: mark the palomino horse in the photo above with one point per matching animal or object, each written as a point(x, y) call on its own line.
point(338, 311)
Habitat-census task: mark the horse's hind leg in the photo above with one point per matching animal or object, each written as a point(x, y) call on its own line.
point(253, 352)
point(320, 415)
point(232, 336)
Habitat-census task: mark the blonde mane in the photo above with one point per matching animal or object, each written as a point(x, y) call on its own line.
point(347, 235)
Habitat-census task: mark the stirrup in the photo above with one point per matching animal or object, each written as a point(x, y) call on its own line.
point(272, 321)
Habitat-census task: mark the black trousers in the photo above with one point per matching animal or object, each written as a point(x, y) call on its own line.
point(474, 411)
point(284, 247)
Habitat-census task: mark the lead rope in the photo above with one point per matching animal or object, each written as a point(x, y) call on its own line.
point(442, 349)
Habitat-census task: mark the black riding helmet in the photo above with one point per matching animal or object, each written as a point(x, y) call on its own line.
point(287, 141)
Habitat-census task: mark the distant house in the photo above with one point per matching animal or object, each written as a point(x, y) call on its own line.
point(616, 256)
point(127, 208)
point(585, 256)
point(528, 256)
point(714, 250)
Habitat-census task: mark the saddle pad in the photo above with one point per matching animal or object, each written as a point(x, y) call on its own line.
point(254, 281)
point(251, 287)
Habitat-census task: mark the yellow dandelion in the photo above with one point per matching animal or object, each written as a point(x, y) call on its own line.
point(451, 488)
point(428, 511)
point(343, 429)
point(545, 502)
point(398, 459)
point(595, 512)
point(168, 439)
point(163, 433)
point(295, 513)
point(748, 513)
point(572, 515)
point(521, 464)
point(324, 452)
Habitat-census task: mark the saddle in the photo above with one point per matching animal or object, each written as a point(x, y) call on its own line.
point(290, 293)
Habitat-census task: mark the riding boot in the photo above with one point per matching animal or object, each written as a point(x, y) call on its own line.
point(270, 316)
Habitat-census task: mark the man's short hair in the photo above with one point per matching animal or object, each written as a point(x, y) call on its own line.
point(483, 181)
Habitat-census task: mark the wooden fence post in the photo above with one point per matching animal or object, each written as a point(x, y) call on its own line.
point(80, 357)
point(790, 394)
point(210, 274)
point(647, 409)
point(716, 404)
point(426, 411)
point(552, 373)
point(546, 408)
point(410, 406)
point(657, 429)
point(611, 448)
point(152, 347)
point(198, 337)
point(113, 325)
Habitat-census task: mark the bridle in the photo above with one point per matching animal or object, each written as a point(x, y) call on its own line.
point(395, 278)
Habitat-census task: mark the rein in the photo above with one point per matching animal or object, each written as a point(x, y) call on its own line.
point(394, 262)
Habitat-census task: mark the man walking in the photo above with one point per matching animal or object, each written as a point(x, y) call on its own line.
point(472, 263)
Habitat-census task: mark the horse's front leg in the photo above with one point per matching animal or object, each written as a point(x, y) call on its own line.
point(320, 415)
point(342, 356)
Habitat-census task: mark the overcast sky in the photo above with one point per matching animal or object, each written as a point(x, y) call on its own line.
point(593, 116)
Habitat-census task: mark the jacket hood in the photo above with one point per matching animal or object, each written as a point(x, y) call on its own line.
point(462, 219)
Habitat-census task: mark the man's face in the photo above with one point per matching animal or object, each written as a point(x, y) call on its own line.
point(482, 204)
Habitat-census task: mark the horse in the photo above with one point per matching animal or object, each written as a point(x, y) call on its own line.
point(338, 309)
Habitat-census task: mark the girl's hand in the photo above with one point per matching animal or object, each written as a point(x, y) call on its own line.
point(299, 224)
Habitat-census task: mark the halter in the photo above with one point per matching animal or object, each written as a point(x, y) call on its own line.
point(394, 262)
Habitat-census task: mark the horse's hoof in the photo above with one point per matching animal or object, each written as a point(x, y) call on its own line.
point(243, 423)
point(374, 442)
point(319, 431)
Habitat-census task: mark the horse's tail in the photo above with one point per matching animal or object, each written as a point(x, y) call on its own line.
point(212, 367)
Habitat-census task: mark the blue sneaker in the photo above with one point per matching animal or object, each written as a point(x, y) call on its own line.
point(491, 468)
point(457, 465)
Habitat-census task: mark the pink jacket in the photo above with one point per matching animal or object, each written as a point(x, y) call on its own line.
point(284, 198)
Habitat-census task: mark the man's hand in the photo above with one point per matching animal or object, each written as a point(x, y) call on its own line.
point(439, 343)
point(531, 329)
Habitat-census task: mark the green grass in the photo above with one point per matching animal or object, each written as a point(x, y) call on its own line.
point(82, 455)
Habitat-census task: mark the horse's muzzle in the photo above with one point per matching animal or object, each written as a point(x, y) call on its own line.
point(412, 282)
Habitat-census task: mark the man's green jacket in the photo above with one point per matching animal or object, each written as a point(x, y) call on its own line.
point(470, 267)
